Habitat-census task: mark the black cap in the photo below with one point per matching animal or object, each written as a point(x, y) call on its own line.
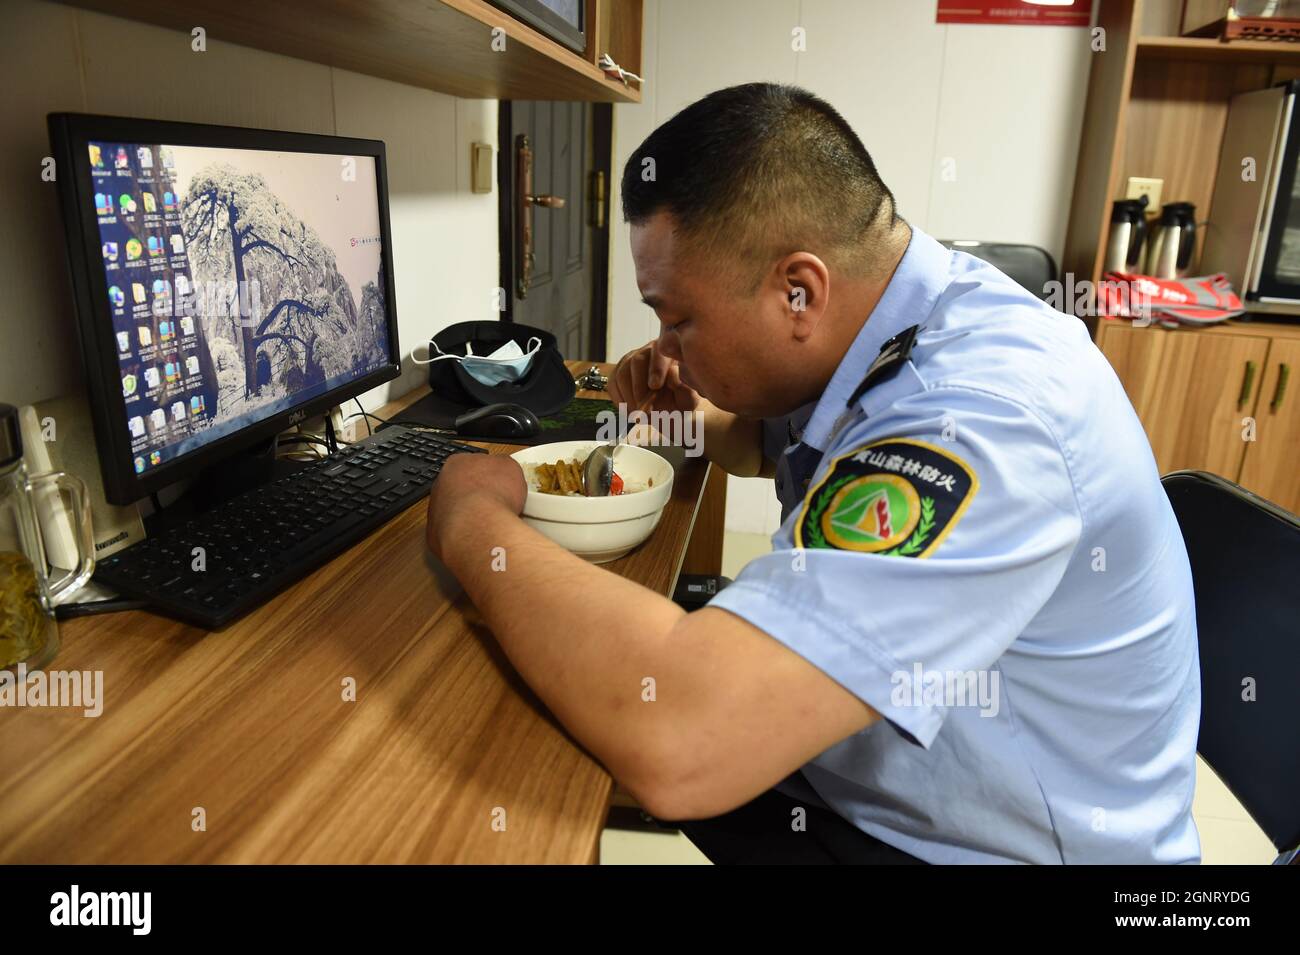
point(545, 389)
point(1124, 208)
point(1172, 211)
point(11, 436)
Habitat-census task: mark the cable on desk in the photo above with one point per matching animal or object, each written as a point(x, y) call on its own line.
point(365, 414)
point(368, 416)
point(331, 439)
point(93, 608)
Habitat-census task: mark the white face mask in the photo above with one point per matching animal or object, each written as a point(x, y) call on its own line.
point(507, 363)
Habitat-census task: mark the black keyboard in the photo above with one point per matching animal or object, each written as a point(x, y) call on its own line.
point(260, 542)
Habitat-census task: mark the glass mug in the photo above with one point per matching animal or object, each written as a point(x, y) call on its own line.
point(29, 589)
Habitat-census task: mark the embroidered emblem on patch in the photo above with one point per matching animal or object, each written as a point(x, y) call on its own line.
point(896, 497)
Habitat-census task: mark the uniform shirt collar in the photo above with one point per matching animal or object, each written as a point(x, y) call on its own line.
point(921, 276)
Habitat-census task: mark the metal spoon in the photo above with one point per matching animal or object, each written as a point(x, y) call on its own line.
point(598, 471)
point(598, 468)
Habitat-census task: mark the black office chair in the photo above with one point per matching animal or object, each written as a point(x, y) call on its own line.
point(1245, 557)
point(1030, 266)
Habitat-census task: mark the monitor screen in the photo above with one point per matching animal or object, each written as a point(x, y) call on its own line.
point(241, 282)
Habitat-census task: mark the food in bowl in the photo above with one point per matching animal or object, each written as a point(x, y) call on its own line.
point(598, 529)
point(565, 477)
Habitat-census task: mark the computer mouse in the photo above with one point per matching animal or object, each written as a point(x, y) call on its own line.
point(502, 420)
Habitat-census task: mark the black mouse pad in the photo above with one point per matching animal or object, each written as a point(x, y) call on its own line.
point(575, 422)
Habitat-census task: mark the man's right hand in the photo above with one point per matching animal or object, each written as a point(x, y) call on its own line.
point(643, 373)
point(733, 443)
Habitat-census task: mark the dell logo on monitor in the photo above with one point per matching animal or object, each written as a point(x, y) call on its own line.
point(297, 417)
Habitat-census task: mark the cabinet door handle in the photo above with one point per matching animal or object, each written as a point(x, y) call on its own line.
point(1247, 382)
point(1283, 373)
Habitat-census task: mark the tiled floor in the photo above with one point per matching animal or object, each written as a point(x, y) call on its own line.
point(1228, 836)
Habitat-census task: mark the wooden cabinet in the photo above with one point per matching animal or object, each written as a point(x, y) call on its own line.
point(1272, 465)
point(1191, 392)
point(1216, 399)
point(467, 48)
point(1157, 107)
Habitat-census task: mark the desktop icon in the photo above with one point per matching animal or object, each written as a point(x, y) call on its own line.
point(145, 155)
point(128, 385)
point(96, 156)
point(155, 246)
point(150, 203)
point(166, 331)
point(110, 251)
point(136, 424)
point(138, 293)
point(125, 204)
point(168, 159)
point(121, 160)
point(161, 289)
point(169, 201)
point(139, 465)
point(178, 244)
point(197, 405)
point(155, 458)
point(183, 288)
point(133, 249)
point(157, 419)
point(178, 411)
point(191, 364)
point(151, 377)
point(146, 336)
point(116, 296)
point(123, 341)
point(187, 322)
point(103, 204)
point(173, 371)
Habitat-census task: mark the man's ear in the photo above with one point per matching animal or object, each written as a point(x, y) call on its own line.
point(805, 282)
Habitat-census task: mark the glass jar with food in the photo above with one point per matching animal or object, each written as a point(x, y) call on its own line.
point(29, 587)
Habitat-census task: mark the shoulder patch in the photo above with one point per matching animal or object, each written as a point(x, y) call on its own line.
point(897, 497)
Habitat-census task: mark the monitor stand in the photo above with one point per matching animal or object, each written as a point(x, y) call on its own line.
point(214, 485)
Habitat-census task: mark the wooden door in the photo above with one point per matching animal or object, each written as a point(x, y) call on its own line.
point(1191, 391)
point(1272, 465)
point(566, 290)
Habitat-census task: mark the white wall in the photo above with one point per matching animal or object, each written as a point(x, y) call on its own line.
point(1004, 103)
point(55, 58)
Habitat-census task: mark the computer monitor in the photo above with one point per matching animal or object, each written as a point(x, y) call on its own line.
point(228, 283)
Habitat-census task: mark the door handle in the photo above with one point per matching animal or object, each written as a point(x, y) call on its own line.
point(1247, 382)
point(524, 256)
point(1279, 392)
point(596, 192)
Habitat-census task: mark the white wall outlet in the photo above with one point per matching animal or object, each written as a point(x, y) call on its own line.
point(1139, 187)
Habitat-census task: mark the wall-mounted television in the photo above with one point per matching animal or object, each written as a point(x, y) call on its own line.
point(564, 21)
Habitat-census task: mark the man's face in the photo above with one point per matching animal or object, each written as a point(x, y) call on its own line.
point(730, 343)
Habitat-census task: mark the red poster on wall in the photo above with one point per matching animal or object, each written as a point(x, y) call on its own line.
point(1060, 13)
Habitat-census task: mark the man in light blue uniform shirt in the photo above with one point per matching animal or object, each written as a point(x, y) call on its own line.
point(1053, 570)
point(974, 639)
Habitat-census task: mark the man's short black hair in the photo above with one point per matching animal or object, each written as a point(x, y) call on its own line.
point(761, 170)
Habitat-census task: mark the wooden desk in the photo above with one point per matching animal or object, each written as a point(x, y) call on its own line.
point(250, 723)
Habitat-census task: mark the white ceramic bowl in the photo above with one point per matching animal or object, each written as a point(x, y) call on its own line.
point(599, 529)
